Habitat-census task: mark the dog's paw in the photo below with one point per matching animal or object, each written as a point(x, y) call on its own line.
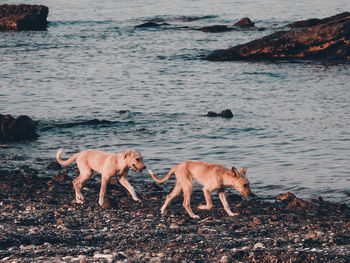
point(79, 199)
point(195, 216)
point(150, 172)
point(233, 214)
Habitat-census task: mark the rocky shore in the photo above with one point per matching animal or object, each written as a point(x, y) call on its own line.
point(39, 222)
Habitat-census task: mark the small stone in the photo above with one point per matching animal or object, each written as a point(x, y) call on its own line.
point(225, 259)
point(209, 250)
point(258, 246)
point(310, 235)
point(172, 244)
point(106, 203)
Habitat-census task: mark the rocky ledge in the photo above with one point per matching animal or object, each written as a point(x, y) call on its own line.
point(23, 17)
point(325, 39)
point(39, 222)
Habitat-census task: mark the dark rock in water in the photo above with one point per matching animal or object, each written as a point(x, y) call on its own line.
point(54, 166)
point(149, 24)
point(18, 128)
point(225, 113)
point(215, 29)
point(325, 39)
point(244, 22)
point(88, 122)
point(23, 17)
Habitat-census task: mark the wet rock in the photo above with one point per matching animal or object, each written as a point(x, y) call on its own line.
point(215, 29)
point(107, 204)
point(150, 24)
point(286, 196)
point(244, 22)
point(225, 114)
point(18, 128)
point(54, 166)
point(326, 39)
point(296, 203)
point(60, 177)
point(23, 17)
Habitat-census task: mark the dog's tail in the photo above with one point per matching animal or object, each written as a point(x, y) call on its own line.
point(69, 161)
point(165, 178)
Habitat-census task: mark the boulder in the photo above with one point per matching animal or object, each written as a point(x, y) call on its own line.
point(244, 22)
point(323, 39)
point(23, 17)
point(18, 128)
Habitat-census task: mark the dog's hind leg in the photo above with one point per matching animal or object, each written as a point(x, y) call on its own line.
point(225, 204)
point(209, 203)
point(187, 191)
point(78, 184)
point(85, 174)
point(176, 191)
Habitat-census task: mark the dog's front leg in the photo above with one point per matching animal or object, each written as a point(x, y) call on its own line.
point(124, 182)
point(104, 182)
point(225, 204)
point(209, 203)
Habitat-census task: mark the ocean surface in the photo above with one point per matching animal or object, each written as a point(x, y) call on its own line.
point(291, 124)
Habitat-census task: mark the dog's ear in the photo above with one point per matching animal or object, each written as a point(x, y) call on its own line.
point(235, 171)
point(243, 171)
point(126, 154)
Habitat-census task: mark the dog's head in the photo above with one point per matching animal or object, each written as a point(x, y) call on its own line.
point(134, 160)
point(240, 182)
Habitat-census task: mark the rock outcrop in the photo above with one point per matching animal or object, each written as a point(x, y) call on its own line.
point(323, 39)
point(244, 22)
point(225, 114)
point(23, 17)
point(18, 128)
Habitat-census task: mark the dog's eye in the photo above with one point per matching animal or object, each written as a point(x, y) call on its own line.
point(245, 185)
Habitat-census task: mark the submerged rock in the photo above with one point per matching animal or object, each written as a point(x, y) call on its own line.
point(215, 29)
point(150, 24)
point(326, 39)
point(23, 17)
point(225, 113)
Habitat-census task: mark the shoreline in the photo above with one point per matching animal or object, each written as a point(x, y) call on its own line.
point(39, 222)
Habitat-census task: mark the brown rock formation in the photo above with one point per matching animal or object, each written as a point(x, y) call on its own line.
point(326, 39)
point(23, 17)
point(244, 22)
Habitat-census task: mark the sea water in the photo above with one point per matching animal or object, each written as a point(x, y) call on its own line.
point(291, 123)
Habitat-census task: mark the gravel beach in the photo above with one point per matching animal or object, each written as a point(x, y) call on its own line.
point(40, 222)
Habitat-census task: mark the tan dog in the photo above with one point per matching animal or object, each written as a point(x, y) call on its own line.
point(211, 176)
point(108, 165)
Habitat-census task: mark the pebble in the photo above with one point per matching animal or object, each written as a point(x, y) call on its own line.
point(258, 246)
point(225, 259)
